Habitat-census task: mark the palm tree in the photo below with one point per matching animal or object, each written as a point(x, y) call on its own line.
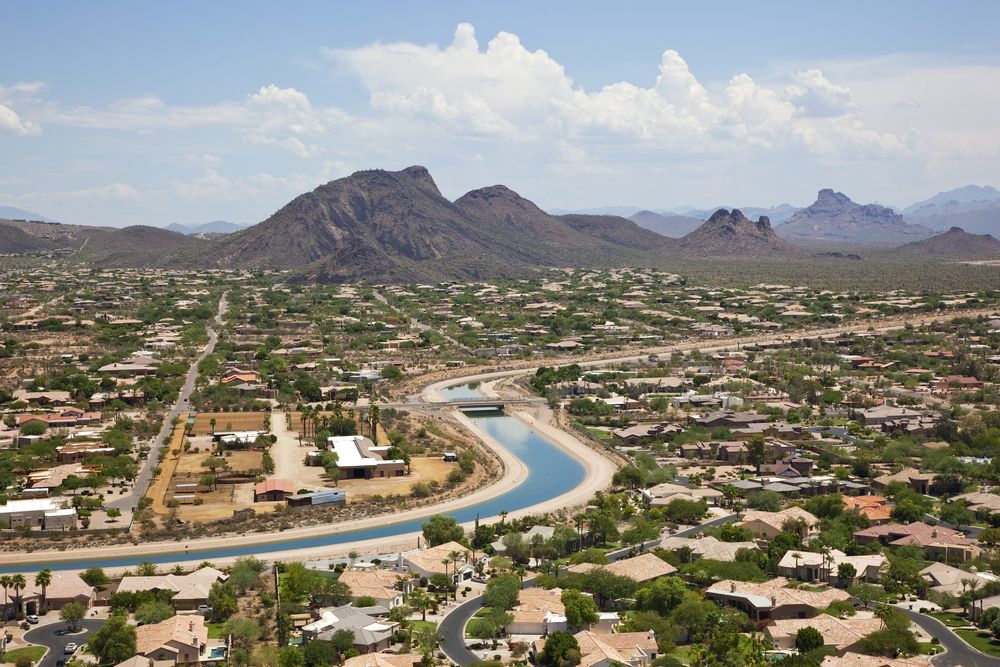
point(18, 583)
point(211, 422)
point(373, 421)
point(973, 585)
point(453, 556)
point(5, 583)
point(503, 516)
point(42, 580)
point(797, 556)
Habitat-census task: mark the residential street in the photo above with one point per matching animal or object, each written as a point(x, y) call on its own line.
point(51, 636)
point(145, 477)
point(958, 653)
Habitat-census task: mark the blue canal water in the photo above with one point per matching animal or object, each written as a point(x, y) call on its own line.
point(551, 472)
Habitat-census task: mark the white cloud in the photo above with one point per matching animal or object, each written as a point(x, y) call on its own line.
point(509, 92)
point(117, 191)
point(14, 124)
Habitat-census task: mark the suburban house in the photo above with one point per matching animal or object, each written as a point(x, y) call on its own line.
point(883, 413)
point(850, 659)
point(359, 458)
point(952, 580)
point(538, 611)
point(430, 561)
point(773, 599)
point(65, 587)
point(706, 547)
point(766, 525)
point(812, 566)
point(918, 481)
point(380, 585)
point(44, 513)
point(371, 634)
point(980, 502)
point(179, 639)
point(190, 590)
point(662, 494)
point(633, 649)
point(272, 490)
point(640, 569)
point(838, 634)
point(873, 508)
point(937, 541)
point(384, 660)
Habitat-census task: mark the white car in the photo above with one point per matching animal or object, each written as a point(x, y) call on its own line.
point(70, 648)
point(31, 618)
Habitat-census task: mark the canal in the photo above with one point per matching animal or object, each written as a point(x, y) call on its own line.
point(551, 472)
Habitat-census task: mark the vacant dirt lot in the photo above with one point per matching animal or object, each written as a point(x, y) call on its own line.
point(228, 421)
point(423, 470)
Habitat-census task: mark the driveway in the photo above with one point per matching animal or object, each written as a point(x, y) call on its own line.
point(958, 654)
point(51, 637)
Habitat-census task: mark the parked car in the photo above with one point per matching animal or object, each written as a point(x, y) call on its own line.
point(204, 609)
point(31, 618)
point(70, 648)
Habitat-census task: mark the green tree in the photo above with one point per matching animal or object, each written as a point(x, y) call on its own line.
point(501, 591)
point(439, 529)
point(561, 650)
point(43, 579)
point(662, 595)
point(114, 642)
point(95, 576)
point(807, 639)
point(242, 631)
point(153, 612)
point(72, 613)
point(580, 609)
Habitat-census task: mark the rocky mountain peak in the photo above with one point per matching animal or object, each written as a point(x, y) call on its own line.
point(422, 177)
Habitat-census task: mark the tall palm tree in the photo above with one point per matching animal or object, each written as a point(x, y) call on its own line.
point(42, 580)
point(973, 585)
point(18, 583)
point(453, 556)
point(5, 583)
point(373, 421)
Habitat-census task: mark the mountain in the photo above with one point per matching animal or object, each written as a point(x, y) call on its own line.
point(14, 240)
point(383, 225)
point(620, 211)
point(666, 224)
point(733, 235)
point(955, 242)
point(974, 208)
point(214, 227)
point(834, 218)
point(14, 213)
point(776, 214)
point(138, 246)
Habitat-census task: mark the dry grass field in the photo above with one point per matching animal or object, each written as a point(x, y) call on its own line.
point(228, 421)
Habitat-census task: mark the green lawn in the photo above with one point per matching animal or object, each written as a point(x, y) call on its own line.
point(423, 625)
point(981, 641)
point(681, 653)
point(215, 630)
point(600, 434)
point(951, 619)
point(927, 648)
point(33, 652)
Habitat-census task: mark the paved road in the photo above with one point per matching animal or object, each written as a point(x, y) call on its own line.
point(696, 530)
point(958, 653)
point(47, 635)
point(145, 477)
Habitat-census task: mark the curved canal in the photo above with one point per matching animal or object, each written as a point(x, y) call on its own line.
point(551, 472)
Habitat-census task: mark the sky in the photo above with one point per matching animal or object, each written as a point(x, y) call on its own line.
point(126, 113)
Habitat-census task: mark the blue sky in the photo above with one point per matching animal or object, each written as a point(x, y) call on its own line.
point(127, 113)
